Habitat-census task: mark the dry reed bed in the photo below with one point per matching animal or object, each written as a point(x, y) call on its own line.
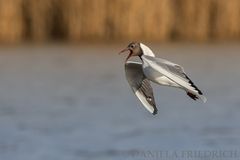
point(154, 20)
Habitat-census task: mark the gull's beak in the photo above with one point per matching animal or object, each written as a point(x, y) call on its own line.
point(126, 49)
point(130, 54)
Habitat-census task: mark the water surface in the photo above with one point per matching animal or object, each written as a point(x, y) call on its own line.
point(73, 102)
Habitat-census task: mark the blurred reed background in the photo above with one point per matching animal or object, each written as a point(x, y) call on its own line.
point(102, 20)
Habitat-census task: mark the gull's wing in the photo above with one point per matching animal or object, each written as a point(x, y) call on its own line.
point(140, 85)
point(175, 73)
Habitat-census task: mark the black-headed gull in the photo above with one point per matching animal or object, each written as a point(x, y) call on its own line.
point(157, 70)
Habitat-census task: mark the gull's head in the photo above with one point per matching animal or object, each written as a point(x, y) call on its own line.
point(134, 48)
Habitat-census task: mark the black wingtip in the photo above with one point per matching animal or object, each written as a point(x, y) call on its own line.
point(193, 85)
point(193, 96)
point(155, 112)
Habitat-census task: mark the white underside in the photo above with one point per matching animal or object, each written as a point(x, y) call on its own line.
point(163, 80)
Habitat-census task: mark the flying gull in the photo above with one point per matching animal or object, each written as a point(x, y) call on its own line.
point(157, 70)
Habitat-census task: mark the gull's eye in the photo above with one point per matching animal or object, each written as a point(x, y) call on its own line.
point(132, 46)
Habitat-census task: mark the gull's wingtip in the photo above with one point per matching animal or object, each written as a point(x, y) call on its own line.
point(203, 98)
point(155, 112)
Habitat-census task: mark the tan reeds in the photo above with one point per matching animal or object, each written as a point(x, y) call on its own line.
point(227, 24)
point(154, 20)
point(151, 20)
point(39, 14)
point(84, 19)
point(11, 21)
point(193, 19)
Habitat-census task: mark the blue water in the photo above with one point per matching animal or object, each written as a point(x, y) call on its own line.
point(73, 103)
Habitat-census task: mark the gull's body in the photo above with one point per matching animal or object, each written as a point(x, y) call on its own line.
point(157, 70)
